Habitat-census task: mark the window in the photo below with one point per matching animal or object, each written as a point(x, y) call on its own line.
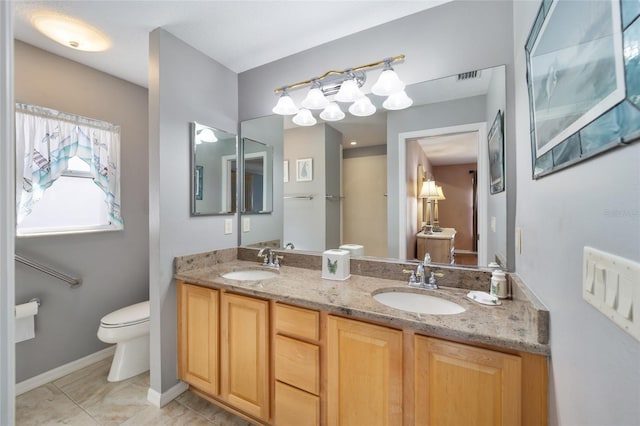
point(70, 174)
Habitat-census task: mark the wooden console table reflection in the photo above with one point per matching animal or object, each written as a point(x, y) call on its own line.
point(440, 245)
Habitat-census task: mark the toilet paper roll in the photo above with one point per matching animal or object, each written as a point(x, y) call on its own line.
point(25, 324)
point(27, 310)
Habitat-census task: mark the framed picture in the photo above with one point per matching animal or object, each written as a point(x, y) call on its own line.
point(286, 170)
point(496, 155)
point(583, 81)
point(198, 182)
point(304, 170)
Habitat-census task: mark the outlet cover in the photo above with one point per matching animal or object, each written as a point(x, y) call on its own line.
point(228, 226)
point(612, 285)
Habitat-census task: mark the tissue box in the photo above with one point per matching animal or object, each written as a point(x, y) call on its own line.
point(335, 264)
point(354, 249)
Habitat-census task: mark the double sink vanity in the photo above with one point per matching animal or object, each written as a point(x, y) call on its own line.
point(284, 346)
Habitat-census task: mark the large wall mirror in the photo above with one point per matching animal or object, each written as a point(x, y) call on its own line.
point(367, 173)
point(213, 171)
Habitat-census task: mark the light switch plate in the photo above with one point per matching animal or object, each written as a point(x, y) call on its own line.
point(246, 224)
point(612, 285)
point(519, 240)
point(228, 226)
point(493, 223)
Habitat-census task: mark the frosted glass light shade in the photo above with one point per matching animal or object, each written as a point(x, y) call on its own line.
point(349, 91)
point(332, 112)
point(398, 101)
point(304, 118)
point(362, 107)
point(70, 32)
point(315, 99)
point(206, 135)
point(388, 83)
point(285, 105)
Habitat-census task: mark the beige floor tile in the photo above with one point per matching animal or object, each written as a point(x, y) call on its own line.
point(119, 405)
point(172, 414)
point(90, 389)
point(212, 412)
point(100, 368)
point(48, 405)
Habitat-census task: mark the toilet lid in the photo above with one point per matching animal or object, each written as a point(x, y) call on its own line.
point(128, 315)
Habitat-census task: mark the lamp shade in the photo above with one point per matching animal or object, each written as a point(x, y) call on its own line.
point(388, 83)
point(285, 105)
point(349, 91)
point(362, 107)
point(397, 101)
point(332, 112)
point(304, 118)
point(440, 195)
point(428, 190)
point(315, 99)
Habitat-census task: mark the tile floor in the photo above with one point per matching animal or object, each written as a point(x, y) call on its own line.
point(86, 398)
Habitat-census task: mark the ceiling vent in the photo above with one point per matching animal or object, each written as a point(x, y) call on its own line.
point(469, 75)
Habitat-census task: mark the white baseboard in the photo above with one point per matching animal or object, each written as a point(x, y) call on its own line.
point(63, 370)
point(161, 399)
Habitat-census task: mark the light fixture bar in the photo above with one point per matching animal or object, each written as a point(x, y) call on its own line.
point(346, 71)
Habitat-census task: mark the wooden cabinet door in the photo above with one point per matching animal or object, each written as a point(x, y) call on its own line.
point(456, 384)
point(364, 374)
point(244, 360)
point(198, 337)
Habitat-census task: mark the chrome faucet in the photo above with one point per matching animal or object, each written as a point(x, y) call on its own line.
point(271, 259)
point(417, 278)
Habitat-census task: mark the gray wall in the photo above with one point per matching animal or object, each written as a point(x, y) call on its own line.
point(184, 86)
point(112, 265)
point(451, 38)
point(595, 374)
point(431, 116)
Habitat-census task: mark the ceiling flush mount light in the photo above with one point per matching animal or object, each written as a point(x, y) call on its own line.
point(70, 32)
point(345, 85)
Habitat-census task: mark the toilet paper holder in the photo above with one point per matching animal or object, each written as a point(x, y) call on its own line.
point(37, 300)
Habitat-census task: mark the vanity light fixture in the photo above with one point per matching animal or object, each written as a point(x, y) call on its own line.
point(345, 85)
point(70, 32)
point(204, 134)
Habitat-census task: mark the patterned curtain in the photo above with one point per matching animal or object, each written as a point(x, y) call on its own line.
point(45, 141)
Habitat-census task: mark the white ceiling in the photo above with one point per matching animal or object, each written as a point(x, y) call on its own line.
point(241, 35)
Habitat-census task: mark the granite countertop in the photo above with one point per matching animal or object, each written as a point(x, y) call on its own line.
point(513, 325)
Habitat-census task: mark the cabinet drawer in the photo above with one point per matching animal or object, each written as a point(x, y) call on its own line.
point(296, 407)
point(297, 322)
point(298, 364)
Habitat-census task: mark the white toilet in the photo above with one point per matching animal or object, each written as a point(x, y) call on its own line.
point(128, 328)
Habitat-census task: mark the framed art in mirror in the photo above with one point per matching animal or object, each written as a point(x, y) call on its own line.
point(496, 155)
point(583, 78)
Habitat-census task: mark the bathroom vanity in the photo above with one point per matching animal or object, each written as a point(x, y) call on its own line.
point(297, 349)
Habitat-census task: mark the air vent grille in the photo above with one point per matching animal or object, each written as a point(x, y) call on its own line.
point(469, 75)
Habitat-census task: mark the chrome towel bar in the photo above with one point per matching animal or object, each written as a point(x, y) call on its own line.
point(71, 281)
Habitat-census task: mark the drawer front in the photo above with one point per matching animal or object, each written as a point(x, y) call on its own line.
point(296, 407)
point(297, 322)
point(298, 364)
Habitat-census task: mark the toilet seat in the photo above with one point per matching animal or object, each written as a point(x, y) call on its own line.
point(127, 316)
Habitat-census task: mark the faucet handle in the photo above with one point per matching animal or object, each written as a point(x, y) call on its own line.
point(412, 277)
point(276, 260)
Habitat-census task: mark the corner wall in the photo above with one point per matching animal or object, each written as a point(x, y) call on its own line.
point(184, 86)
point(595, 365)
point(113, 265)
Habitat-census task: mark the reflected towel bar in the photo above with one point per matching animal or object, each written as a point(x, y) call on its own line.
point(71, 281)
point(298, 197)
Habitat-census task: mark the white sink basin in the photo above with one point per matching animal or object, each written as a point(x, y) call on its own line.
point(250, 275)
point(418, 302)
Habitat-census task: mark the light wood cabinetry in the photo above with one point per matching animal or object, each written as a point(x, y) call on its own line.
point(439, 245)
point(244, 358)
point(457, 384)
point(297, 365)
point(364, 374)
point(198, 339)
point(330, 370)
